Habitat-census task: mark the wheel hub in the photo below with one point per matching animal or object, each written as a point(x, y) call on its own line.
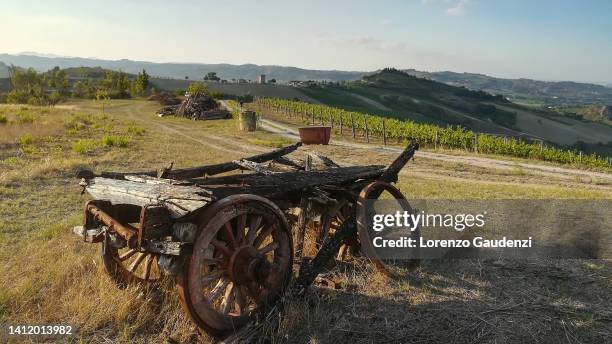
point(247, 265)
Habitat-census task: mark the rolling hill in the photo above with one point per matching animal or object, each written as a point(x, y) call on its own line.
point(398, 94)
point(194, 71)
point(527, 91)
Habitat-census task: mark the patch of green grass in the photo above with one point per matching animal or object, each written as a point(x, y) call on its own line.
point(135, 130)
point(84, 146)
point(3, 119)
point(276, 142)
point(12, 160)
point(115, 141)
point(26, 139)
point(25, 117)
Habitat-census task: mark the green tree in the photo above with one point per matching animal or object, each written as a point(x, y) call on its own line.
point(116, 84)
point(141, 83)
point(197, 87)
point(102, 96)
point(211, 76)
point(26, 87)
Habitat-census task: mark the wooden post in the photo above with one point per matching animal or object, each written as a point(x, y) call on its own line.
point(340, 125)
point(352, 124)
point(580, 157)
point(476, 143)
point(313, 117)
point(541, 146)
point(331, 121)
point(436, 141)
point(365, 127)
point(384, 133)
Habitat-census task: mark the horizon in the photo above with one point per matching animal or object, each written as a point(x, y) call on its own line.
point(553, 41)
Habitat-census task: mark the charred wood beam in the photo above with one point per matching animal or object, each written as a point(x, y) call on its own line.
point(287, 161)
point(289, 185)
point(390, 174)
point(199, 171)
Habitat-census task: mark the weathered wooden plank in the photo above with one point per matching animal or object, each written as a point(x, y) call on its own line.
point(254, 166)
point(179, 199)
point(391, 172)
point(199, 171)
point(288, 185)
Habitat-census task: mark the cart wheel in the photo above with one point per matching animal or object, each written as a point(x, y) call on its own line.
point(129, 266)
point(374, 191)
point(330, 222)
point(240, 265)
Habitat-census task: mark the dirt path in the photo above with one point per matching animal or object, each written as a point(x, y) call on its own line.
point(212, 141)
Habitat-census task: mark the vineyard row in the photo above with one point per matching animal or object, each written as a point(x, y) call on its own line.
point(427, 134)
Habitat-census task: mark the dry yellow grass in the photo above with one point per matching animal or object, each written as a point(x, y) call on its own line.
point(48, 276)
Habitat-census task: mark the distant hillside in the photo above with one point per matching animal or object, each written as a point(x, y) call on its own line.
point(4, 72)
point(526, 90)
point(194, 71)
point(398, 94)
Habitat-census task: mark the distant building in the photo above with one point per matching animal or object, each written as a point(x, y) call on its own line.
point(262, 79)
point(242, 81)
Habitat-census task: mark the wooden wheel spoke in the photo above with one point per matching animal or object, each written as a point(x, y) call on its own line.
point(241, 301)
point(147, 267)
point(228, 299)
point(127, 254)
point(218, 290)
point(270, 247)
point(262, 236)
point(254, 226)
point(226, 251)
point(229, 231)
point(208, 279)
point(210, 261)
point(240, 227)
point(136, 262)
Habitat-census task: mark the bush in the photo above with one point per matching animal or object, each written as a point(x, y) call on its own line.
point(111, 140)
point(3, 119)
point(26, 139)
point(25, 117)
point(135, 130)
point(84, 146)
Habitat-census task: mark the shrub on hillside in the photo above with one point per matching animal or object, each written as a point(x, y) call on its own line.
point(116, 141)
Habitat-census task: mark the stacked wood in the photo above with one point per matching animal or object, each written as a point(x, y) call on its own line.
point(198, 106)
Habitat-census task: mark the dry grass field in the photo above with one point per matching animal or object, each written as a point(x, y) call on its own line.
point(47, 276)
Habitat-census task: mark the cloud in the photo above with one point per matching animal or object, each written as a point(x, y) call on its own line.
point(458, 9)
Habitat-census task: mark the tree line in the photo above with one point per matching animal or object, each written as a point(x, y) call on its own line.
point(53, 86)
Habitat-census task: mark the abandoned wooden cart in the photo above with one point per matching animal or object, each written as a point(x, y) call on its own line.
point(230, 240)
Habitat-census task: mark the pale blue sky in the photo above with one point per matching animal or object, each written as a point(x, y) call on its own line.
point(546, 39)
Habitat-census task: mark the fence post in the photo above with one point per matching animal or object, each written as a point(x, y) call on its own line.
point(313, 117)
point(476, 143)
point(365, 127)
point(436, 141)
point(340, 125)
point(580, 157)
point(352, 124)
point(384, 133)
point(541, 146)
point(331, 121)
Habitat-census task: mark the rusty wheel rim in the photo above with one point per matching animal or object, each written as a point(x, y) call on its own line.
point(240, 265)
point(129, 266)
point(373, 191)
